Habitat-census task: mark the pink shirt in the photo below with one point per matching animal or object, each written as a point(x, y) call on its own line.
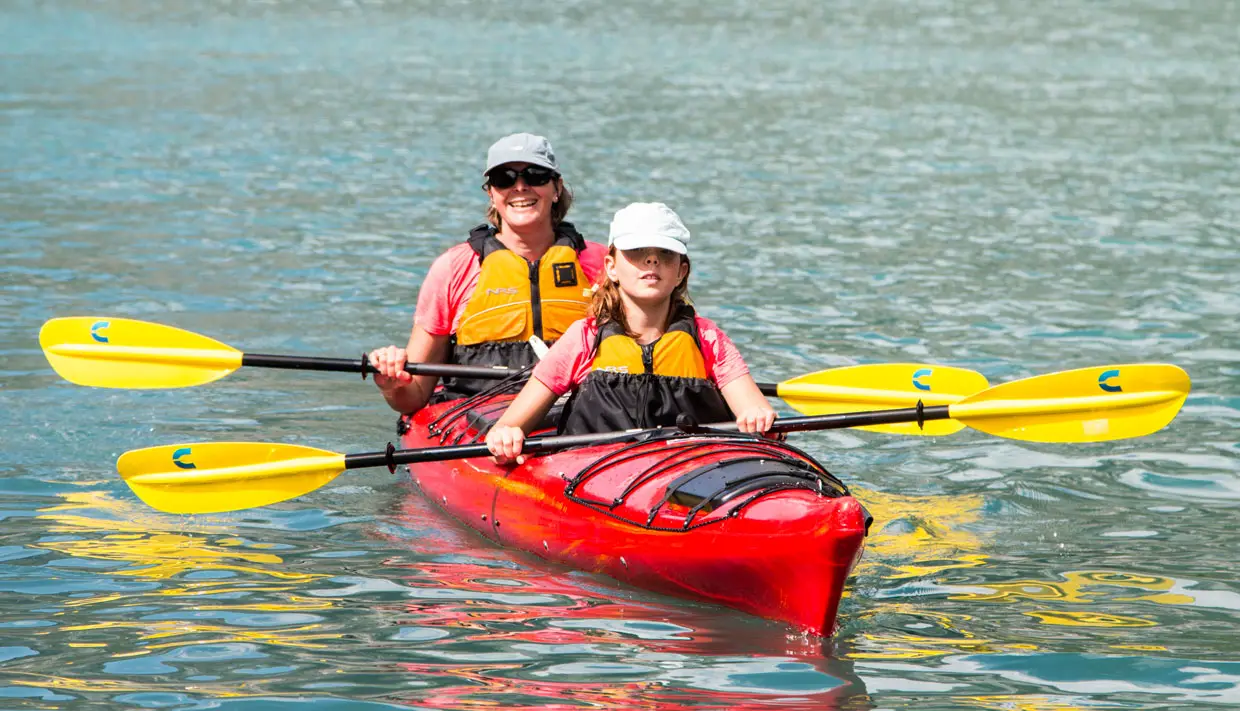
point(568, 362)
point(454, 276)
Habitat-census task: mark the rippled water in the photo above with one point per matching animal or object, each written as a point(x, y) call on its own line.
point(1017, 188)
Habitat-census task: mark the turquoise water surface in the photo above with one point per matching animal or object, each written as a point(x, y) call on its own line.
point(1016, 188)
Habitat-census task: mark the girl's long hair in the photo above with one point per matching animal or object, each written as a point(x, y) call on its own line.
point(606, 306)
point(559, 209)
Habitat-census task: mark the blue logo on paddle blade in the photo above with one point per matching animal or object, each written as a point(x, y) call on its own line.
point(97, 329)
point(1107, 375)
point(182, 452)
point(923, 373)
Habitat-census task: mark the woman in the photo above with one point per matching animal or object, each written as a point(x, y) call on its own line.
point(525, 272)
point(642, 357)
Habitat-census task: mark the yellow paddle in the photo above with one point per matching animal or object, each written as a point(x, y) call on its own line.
point(123, 353)
point(860, 388)
point(105, 352)
point(1087, 405)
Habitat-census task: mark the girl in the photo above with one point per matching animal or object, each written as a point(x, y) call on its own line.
point(641, 357)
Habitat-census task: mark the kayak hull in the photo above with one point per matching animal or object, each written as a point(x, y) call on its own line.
point(748, 523)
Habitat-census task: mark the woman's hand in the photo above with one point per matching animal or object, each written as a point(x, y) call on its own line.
point(390, 364)
point(505, 443)
point(756, 419)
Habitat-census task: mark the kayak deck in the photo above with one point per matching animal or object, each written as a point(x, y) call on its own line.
point(730, 519)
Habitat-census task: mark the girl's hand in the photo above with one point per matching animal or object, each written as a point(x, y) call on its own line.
point(390, 362)
point(756, 420)
point(505, 443)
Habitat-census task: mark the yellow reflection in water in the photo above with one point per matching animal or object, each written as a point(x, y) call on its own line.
point(952, 637)
point(162, 629)
point(917, 536)
point(1078, 587)
point(167, 555)
point(1081, 586)
point(97, 527)
point(1067, 618)
point(928, 537)
point(1020, 702)
point(138, 540)
point(114, 687)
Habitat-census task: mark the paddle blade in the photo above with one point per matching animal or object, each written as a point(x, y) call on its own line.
point(884, 386)
point(123, 353)
point(1087, 405)
point(225, 476)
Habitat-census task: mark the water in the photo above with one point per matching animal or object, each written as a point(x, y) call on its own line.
point(1018, 188)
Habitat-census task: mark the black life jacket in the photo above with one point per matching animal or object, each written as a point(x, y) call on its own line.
point(514, 300)
point(634, 386)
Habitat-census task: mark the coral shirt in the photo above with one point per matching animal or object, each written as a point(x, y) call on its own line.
point(454, 275)
point(568, 363)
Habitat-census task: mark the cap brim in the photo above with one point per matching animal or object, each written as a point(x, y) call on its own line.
point(519, 158)
point(643, 241)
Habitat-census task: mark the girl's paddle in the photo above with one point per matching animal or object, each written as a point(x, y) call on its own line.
point(124, 353)
point(1086, 405)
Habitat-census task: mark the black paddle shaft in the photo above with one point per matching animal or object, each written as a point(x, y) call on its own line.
point(363, 366)
point(544, 445)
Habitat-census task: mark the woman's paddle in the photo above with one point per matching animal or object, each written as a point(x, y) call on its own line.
point(1086, 405)
point(124, 353)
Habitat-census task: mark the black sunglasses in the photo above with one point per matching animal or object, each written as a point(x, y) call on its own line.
point(534, 176)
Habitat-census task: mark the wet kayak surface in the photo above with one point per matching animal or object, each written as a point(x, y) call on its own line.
point(1003, 187)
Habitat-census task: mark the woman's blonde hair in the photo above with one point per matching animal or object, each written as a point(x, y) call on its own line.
point(559, 209)
point(606, 305)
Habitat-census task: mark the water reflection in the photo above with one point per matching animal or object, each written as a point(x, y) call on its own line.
point(1071, 618)
point(1133, 679)
point(452, 621)
point(585, 640)
point(139, 597)
point(918, 536)
point(937, 635)
point(1090, 586)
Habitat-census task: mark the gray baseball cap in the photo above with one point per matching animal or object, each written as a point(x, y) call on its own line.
point(521, 148)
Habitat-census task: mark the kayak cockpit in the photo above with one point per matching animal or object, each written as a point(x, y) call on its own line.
point(676, 482)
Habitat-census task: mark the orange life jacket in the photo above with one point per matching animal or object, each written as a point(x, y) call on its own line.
point(638, 386)
point(516, 299)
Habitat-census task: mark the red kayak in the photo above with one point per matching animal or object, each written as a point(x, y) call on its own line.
point(734, 520)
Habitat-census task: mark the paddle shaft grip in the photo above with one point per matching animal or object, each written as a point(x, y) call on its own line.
point(348, 365)
point(546, 445)
point(537, 445)
point(860, 419)
point(837, 421)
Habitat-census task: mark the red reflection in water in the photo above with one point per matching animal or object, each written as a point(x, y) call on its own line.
point(481, 688)
point(553, 608)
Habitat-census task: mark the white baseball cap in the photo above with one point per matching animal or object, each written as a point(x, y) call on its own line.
point(648, 224)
